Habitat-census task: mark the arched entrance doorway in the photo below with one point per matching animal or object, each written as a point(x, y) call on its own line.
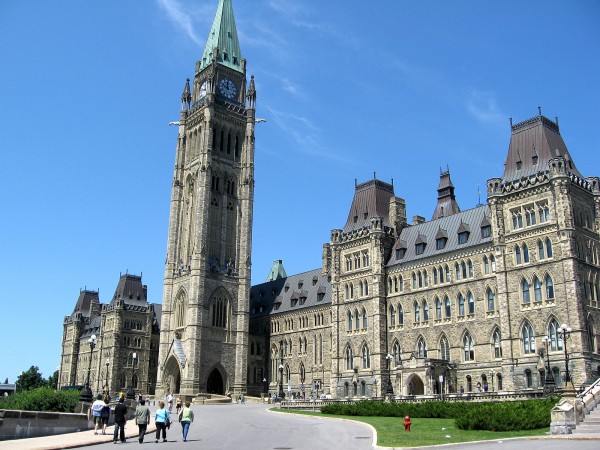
point(415, 385)
point(172, 376)
point(214, 384)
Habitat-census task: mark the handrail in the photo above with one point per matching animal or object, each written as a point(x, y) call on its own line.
point(589, 388)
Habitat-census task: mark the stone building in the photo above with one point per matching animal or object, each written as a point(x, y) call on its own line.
point(430, 306)
point(125, 327)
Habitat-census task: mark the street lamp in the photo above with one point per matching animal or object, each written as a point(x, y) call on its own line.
point(565, 332)
point(106, 394)
point(549, 378)
point(281, 394)
point(389, 390)
point(130, 392)
point(86, 393)
point(492, 373)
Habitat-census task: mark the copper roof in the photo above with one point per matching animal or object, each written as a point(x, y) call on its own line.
point(371, 199)
point(533, 143)
point(83, 302)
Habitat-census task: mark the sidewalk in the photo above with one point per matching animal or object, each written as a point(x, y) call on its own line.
point(81, 439)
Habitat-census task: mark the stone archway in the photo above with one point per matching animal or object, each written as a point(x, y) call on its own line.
point(414, 385)
point(214, 383)
point(172, 376)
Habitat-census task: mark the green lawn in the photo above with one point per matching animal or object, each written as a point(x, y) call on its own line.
point(390, 431)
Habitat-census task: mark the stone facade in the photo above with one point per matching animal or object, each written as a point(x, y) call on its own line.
point(126, 326)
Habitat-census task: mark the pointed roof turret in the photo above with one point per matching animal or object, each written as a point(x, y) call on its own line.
point(533, 143)
point(277, 271)
point(186, 96)
point(371, 199)
point(446, 204)
point(223, 36)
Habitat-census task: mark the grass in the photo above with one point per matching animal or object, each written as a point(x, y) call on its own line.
point(390, 431)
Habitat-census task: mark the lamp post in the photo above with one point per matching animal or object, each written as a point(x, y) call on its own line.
point(549, 378)
point(389, 390)
point(492, 373)
point(281, 394)
point(565, 331)
point(106, 392)
point(131, 392)
point(265, 385)
point(86, 393)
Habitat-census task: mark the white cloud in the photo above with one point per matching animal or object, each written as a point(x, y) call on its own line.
point(183, 18)
point(483, 106)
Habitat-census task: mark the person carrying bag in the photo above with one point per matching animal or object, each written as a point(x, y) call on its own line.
point(162, 421)
point(186, 417)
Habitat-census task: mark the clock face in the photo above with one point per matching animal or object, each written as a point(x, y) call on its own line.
point(203, 90)
point(227, 88)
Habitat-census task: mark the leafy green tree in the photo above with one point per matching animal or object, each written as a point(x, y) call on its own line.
point(53, 380)
point(6, 381)
point(30, 380)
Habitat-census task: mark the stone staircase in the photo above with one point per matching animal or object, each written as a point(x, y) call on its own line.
point(590, 425)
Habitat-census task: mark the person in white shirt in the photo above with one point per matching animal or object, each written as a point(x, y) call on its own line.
point(96, 410)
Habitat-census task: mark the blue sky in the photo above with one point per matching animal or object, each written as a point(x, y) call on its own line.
point(348, 88)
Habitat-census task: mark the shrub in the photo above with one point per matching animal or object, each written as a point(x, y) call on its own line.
point(41, 399)
point(492, 416)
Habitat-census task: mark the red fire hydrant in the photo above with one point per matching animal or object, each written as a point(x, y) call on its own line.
point(407, 423)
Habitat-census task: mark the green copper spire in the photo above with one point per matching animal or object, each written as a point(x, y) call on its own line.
point(223, 35)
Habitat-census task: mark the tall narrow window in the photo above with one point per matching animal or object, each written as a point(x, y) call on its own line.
point(447, 306)
point(349, 321)
point(400, 315)
point(555, 340)
point(549, 288)
point(491, 300)
point(518, 258)
point(422, 348)
point(496, 344)
point(392, 316)
point(417, 312)
point(365, 320)
point(525, 253)
point(528, 338)
point(541, 253)
point(486, 265)
point(425, 311)
point(397, 353)
point(349, 359)
point(444, 349)
point(548, 248)
point(461, 305)
point(537, 289)
point(438, 309)
point(471, 302)
point(525, 291)
point(469, 348)
point(366, 358)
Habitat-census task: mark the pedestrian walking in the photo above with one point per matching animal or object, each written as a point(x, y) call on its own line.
point(96, 410)
point(178, 405)
point(142, 419)
point(105, 415)
point(170, 401)
point(186, 417)
point(120, 419)
point(162, 421)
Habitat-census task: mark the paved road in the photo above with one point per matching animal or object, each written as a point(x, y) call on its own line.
point(522, 444)
point(252, 427)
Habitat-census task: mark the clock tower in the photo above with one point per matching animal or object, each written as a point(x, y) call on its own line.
point(205, 315)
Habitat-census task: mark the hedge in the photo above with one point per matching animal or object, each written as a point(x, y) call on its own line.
point(41, 399)
point(492, 416)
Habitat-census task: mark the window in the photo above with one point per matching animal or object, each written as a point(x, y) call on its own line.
point(461, 305)
point(366, 358)
point(541, 253)
point(417, 312)
point(518, 259)
point(356, 320)
point(549, 288)
point(419, 248)
point(435, 276)
point(365, 321)
point(220, 312)
point(400, 253)
point(444, 349)
point(447, 306)
point(537, 289)
point(392, 316)
point(438, 309)
point(490, 300)
point(463, 237)
point(555, 341)
point(469, 348)
point(400, 315)
point(486, 231)
point(349, 359)
point(548, 248)
point(525, 291)
point(486, 265)
point(471, 303)
point(440, 243)
point(425, 311)
point(525, 253)
point(528, 338)
point(496, 343)
point(493, 262)
point(397, 353)
point(421, 348)
point(349, 321)
point(470, 267)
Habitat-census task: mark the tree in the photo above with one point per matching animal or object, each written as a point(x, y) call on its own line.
point(30, 380)
point(6, 381)
point(53, 380)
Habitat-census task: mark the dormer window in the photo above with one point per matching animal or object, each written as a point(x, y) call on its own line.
point(519, 165)
point(400, 253)
point(534, 159)
point(486, 231)
point(420, 248)
point(463, 237)
point(440, 243)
